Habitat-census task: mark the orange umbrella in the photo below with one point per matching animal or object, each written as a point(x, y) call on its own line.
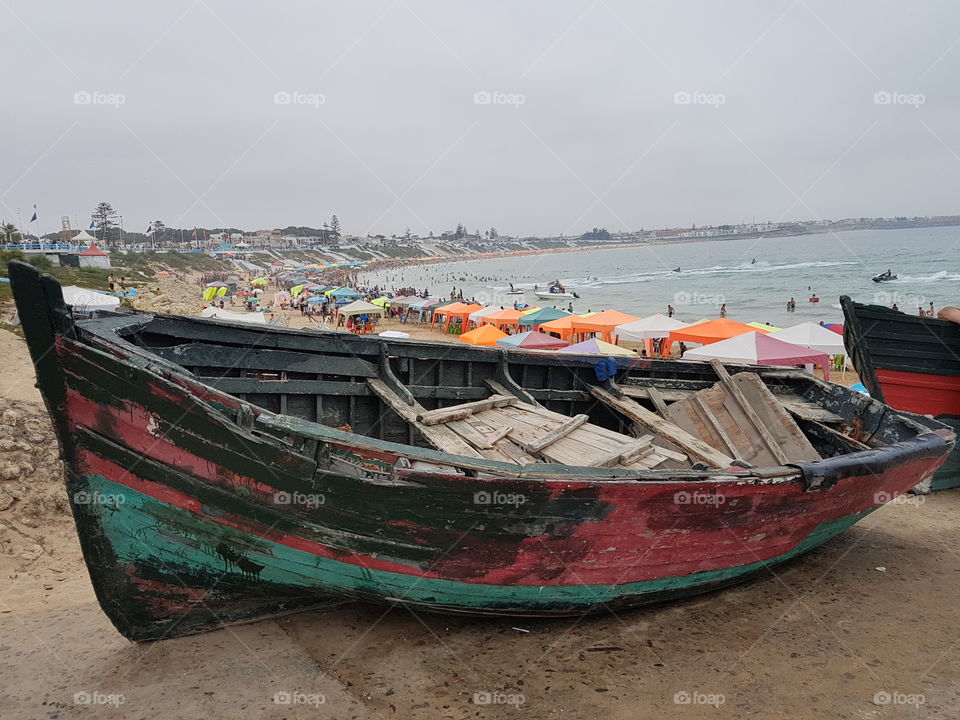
point(712, 331)
point(503, 318)
point(602, 322)
point(483, 335)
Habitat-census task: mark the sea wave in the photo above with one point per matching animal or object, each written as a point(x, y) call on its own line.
point(759, 267)
point(940, 276)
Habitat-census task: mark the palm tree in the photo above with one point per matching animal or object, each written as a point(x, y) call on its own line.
point(9, 232)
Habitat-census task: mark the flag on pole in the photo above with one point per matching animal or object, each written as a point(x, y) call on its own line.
point(34, 218)
point(150, 230)
point(92, 224)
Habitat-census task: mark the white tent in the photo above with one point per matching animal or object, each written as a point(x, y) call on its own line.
point(83, 238)
point(813, 336)
point(648, 328)
point(361, 307)
point(86, 300)
point(257, 318)
point(476, 317)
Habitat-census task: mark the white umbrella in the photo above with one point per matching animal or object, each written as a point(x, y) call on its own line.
point(648, 328)
point(813, 336)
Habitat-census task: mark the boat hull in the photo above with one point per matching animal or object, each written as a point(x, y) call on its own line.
point(196, 509)
point(910, 363)
point(554, 296)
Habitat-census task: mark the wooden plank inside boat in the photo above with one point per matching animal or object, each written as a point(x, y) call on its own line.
point(741, 416)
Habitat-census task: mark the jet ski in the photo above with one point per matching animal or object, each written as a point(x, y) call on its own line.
point(884, 277)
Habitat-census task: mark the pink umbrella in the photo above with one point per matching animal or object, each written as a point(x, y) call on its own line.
point(836, 327)
point(532, 341)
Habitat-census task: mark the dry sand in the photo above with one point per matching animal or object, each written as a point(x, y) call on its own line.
point(827, 636)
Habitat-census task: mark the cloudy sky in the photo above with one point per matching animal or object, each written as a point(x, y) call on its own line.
point(533, 117)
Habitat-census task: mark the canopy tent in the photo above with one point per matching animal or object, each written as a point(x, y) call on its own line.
point(605, 323)
point(296, 290)
point(457, 310)
point(649, 329)
point(813, 336)
point(712, 331)
point(503, 318)
point(561, 326)
point(218, 314)
point(477, 315)
point(543, 315)
point(217, 284)
point(655, 326)
point(763, 327)
point(360, 307)
point(280, 298)
point(532, 340)
point(483, 335)
point(343, 292)
point(381, 301)
point(260, 281)
point(596, 347)
point(756, 348)
point(86, 300)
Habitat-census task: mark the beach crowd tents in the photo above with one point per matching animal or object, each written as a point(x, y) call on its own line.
point(538, 317)
point(813, 336)
point(756, 348)
point(503, 318)
point(477, 316)
point(483, 335)
point(596, 347)
point(712, 331)
point(532, 341)
point(86, 300)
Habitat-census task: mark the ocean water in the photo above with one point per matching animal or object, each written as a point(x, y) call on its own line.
point(642, 280)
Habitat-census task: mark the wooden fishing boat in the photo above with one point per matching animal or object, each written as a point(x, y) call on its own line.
point(911, 363)
point(221, 472)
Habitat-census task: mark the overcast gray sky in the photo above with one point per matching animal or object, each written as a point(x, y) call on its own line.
point(534, 117)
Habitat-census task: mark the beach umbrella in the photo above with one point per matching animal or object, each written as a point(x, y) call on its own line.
point(712, 331)
point(596, 347)
point(764, 327)
point(344, 293)
point(813, 336)
point(381, 301)
point(316, 299)
point(756, 348)
point(217, 284)
point(260, 281)
point(834, 327)
point(296, 290)
point(483, 335)
point(649, 328)
point(532, 340)
point(541, 316)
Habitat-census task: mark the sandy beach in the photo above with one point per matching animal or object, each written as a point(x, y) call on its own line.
point(830, 635)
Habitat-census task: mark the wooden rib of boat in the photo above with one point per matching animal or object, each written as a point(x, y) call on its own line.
point(221, 472)
point(911, 363)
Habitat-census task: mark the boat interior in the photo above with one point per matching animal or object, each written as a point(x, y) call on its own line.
point(519, 407)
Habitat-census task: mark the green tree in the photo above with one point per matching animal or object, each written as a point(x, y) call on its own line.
point(10, 233)
point(104, 219)
point(335, 226)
